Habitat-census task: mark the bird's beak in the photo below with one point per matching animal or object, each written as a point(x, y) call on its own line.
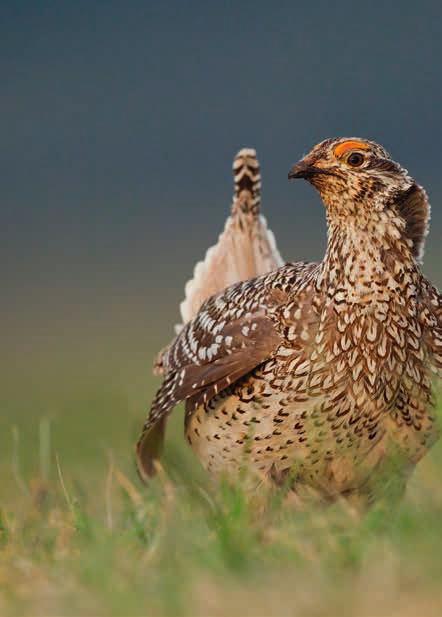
point(306, 170)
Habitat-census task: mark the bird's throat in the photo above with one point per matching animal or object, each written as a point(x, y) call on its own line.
point(367, 265)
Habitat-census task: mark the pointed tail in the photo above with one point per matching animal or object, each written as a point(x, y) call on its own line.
point(247, 181)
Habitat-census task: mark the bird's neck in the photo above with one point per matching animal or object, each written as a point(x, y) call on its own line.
point(365, 262)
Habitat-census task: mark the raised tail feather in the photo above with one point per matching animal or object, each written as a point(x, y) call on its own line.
point(245, 249)
point(247, 182)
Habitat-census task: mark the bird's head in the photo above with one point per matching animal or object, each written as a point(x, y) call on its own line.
point(360, 183)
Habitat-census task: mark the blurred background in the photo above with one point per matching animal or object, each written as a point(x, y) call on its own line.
point(119, 121)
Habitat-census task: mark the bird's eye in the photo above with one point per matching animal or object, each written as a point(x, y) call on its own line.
point(355, 159)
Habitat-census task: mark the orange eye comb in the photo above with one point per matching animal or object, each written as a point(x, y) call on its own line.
point(351, 144)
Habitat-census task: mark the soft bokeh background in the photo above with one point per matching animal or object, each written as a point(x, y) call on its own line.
point(119, 122)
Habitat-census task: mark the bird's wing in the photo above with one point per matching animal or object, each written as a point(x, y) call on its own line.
point(232, 334)
point(245, 249)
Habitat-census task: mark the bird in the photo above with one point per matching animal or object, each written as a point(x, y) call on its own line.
point(320, 375)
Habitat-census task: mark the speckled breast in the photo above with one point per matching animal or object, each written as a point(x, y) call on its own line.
point(328, 411)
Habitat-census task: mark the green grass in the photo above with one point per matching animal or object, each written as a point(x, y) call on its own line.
point(79, 535)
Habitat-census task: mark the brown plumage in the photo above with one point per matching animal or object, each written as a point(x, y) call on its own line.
point(321, 373)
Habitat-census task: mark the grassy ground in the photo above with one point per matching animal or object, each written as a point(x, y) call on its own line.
point(79, 535)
